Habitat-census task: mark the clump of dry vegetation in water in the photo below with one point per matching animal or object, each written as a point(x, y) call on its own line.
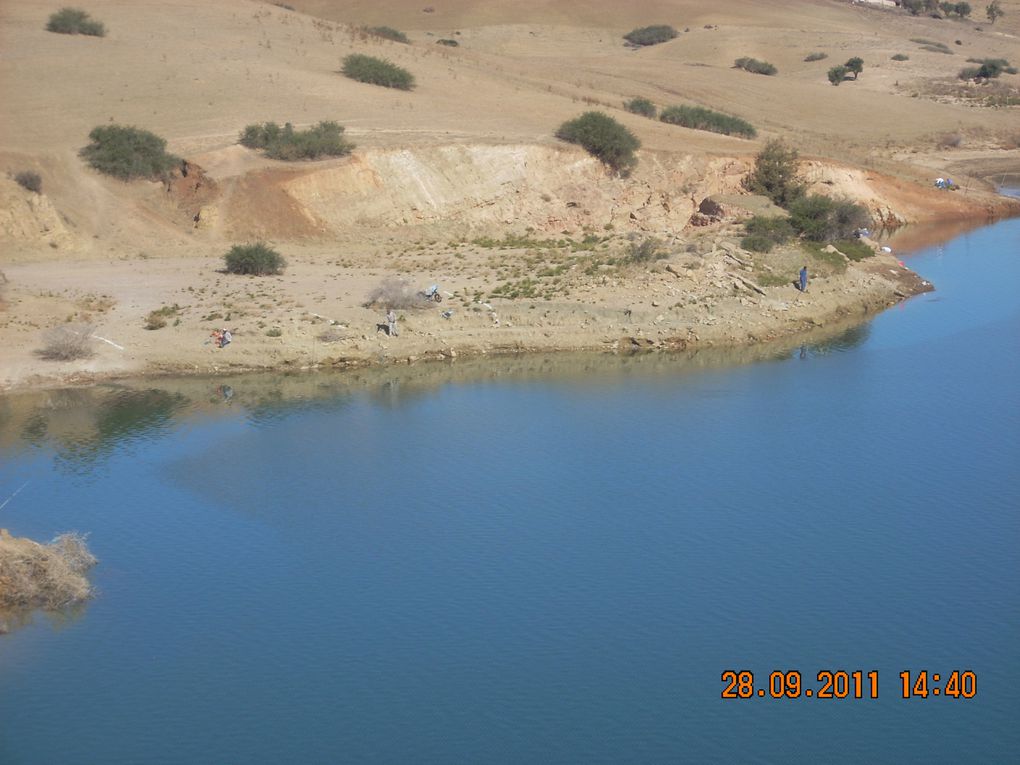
point(67, 343)
point(49, 576)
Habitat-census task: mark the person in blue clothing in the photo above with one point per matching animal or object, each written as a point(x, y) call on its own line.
point(803, 279)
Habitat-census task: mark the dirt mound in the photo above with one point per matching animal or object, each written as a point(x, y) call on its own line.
point(28, 218)
point(50, 576)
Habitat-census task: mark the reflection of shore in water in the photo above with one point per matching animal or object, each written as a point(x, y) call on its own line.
point(908, 239)
point(83, 426)
point(853, 337)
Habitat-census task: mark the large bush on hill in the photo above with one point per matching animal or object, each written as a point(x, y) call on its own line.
point(73, 21)
point(256, 259)
point(128, 152)
point(776, 174)
point(377, 71)
point(653, 35)
point(323, 140)
point(604, 138)
point(699, 118)
point(822, 219)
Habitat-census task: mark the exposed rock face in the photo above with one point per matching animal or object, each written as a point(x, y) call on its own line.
point(29, 218)
point(192, 190)
point(476, 186)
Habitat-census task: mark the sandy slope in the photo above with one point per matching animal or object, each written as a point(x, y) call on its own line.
point(469, 151)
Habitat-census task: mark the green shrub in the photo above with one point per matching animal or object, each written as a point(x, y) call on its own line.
point(604, 138)
point(323, 140)
point(641, 106)
point(901, 57)
point(755, 66)
point(257, 259)
point(377, 71)
point(29, 180)
point(837, 74)
point(822, 219)
point(816, 56)
point(854, 249)
point(698, 118)
point(652, 35)
point(990, 69)
point(388, 33)
point(72, 21)
point(128, 152)
point(756, 243)
point(765, 232)
point(157, 319)
point(776, 174)
point(933, 46)
point(649, 250)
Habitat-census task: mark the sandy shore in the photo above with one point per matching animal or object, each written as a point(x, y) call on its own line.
point(705, 292)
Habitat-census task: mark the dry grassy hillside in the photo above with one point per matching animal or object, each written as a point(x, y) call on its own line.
point(197, 74)
point(469, 151)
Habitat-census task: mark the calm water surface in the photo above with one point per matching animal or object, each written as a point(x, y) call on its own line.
point(551, 567)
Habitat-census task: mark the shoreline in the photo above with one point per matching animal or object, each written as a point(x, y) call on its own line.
point(680, 304)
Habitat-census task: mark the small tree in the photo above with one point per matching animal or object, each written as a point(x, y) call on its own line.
point(962, 10)
point(855, 65)
point(72, 21)
point(994, 11)
point(776, 174)
point(256, 259)
point(604, 138)
point(128, 152)
point(837, 74)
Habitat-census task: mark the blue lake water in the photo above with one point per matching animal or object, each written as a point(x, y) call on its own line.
point(550, 561)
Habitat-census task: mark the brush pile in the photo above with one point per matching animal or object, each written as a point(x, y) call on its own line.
point(48, 576)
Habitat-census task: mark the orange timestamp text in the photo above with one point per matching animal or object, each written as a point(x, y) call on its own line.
point(844, 684)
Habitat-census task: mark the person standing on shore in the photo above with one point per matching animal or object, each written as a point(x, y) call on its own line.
point(803, 279)
point(391, 323)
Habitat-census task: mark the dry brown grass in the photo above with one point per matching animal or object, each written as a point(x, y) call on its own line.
point(397, 293)
point(67, 343)
point(48, 576)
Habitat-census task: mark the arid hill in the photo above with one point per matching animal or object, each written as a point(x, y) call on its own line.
point(470, 151)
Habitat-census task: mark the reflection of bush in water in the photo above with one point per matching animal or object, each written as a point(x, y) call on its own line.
point(109, 420)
